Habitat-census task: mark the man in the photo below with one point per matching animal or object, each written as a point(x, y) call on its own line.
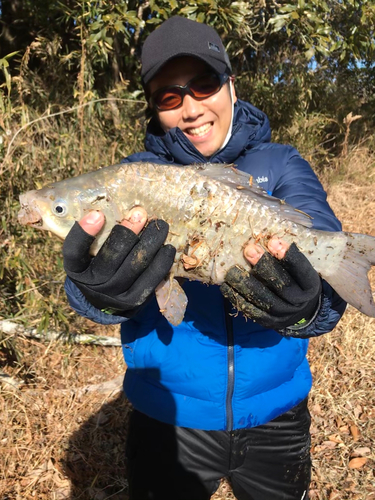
point(219, 395)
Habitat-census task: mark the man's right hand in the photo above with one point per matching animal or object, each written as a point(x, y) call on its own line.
point(127, 268)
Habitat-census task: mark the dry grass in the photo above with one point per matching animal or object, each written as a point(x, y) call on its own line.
point(58, 442)
point(343, 362)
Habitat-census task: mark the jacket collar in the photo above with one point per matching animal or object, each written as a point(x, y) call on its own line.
point(250, 127)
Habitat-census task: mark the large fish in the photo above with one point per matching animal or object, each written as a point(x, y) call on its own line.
point(212, 211)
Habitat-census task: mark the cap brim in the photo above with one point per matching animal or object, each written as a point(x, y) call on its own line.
point(218, 66)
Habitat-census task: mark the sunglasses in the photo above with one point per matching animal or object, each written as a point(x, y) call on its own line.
point(200, 87)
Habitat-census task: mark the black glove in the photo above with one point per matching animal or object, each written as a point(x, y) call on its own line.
point(126, 270)
point(276, 293)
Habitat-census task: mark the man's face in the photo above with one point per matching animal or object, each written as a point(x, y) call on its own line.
point(205, 123)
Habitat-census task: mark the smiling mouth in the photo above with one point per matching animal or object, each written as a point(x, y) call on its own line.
point(199, 131)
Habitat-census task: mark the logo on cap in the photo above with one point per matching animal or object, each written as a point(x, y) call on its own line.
point(213, 46)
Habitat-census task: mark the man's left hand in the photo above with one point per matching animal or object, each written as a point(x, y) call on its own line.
point(281, 290)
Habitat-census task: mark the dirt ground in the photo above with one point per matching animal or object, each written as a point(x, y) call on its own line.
point(63, 433)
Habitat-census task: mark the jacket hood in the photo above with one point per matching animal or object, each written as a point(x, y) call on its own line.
point(250, 128)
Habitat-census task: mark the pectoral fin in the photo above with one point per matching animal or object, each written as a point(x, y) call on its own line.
point(172, 300)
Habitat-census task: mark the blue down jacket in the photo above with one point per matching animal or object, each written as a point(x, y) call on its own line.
point(217, 371)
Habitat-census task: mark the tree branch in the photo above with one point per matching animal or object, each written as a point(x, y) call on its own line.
point(12, 328)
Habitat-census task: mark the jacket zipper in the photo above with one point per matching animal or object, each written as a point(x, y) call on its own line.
point(230, 357)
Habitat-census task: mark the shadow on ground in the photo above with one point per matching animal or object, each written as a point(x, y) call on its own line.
point(95, 458)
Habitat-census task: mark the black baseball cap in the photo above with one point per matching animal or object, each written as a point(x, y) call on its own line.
point(179, 36)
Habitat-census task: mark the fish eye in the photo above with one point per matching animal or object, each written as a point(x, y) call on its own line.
point(59, 208)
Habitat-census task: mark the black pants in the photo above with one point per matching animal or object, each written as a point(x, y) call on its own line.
point(269, 462)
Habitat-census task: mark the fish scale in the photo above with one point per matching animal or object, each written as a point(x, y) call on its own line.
point(212, 211)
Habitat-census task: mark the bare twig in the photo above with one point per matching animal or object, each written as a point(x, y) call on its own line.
point(81, 86)
point(348, 120)
point(137, 32)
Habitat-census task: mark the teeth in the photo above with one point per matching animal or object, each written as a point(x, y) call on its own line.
point(199, 130)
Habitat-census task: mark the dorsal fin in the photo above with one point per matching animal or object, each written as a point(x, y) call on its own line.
point(234, 178)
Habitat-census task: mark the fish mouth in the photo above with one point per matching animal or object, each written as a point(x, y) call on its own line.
point(29, 215)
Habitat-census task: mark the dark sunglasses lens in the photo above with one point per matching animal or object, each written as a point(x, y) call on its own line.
point(201, 87)
point(205, 86)
point(168, 99)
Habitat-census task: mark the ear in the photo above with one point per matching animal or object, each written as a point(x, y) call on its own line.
point(232, 89)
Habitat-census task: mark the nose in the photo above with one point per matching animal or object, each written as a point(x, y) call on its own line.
point(191, 108)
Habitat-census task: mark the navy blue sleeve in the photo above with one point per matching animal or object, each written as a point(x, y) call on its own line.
point(83, 307)
point(299, 186)
point(331, 309)
point(145, 156)
point(138, 157)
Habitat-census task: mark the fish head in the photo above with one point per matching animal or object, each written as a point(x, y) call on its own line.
point(47, 210)
point(55, 208)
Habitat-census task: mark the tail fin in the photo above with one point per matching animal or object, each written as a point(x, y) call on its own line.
point(352, 283)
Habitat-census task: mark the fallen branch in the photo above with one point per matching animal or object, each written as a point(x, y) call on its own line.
point(8, 380)
point(12, 328)
point(109, 387)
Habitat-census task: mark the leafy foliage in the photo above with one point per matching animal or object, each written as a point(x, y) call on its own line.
point(290, 57)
